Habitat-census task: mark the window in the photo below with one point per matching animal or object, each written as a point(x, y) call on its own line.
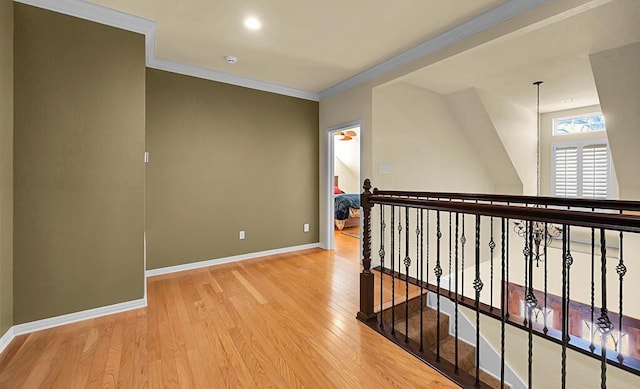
point(579, 124)
point(614, 340)
point(538, 314)
point(581, 170)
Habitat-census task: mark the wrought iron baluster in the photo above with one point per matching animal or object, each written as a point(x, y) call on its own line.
point(393, 272)
point(564, 310)
point(450, 245)
point(456, 296)
point(592, 346)
point(507, 264)
point(407, 264)
point(428, 246)
point(531, 304)
point(506, 315)
point(477, 285)
point(381, 253)
point(438, 272)
point(400, 243)
point(604, 323)
point(422, 279)
point(621, 269)
point(568, 260)
point(545, 329)
point(463, 242)
point(492, 246)
point(527, 252)
point(502, 300)
point(418, 233)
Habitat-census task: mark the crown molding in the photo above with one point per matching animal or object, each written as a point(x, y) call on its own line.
point(110, 17)
point(228, 78)
point(99, 14)
point(472, 26)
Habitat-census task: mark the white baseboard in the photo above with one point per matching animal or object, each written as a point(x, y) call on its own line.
point(6, 339)
point(38, 325)
point(220, 261)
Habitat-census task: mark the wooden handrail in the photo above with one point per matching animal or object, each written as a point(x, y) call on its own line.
point(619, 205)
point(610, 221)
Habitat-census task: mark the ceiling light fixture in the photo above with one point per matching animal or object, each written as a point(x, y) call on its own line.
point(346, 135)
point(542, 233)
point(252, 23)
point(230, 59)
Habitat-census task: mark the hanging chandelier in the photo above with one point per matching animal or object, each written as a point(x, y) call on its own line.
point(543, 233)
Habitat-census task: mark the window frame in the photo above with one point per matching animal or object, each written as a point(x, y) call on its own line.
point(580, 144)
point(581, 115)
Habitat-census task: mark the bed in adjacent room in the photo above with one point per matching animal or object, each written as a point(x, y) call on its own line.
point(347, 210)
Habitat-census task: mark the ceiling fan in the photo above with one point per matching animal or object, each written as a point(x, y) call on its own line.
point(346, 135)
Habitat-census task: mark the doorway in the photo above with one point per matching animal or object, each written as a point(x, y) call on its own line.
point(344, 183)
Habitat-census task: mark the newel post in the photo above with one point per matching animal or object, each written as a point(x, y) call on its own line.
point(366, 277)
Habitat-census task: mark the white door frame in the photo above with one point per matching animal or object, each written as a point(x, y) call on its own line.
point(329, 163)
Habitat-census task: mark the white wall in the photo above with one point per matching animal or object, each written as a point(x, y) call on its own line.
point(346, 164)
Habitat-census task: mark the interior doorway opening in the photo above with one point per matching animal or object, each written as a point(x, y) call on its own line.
point(344, 182)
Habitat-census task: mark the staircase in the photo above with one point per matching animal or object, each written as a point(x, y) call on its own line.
point(447, 342)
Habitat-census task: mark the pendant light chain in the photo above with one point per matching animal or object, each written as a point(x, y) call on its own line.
point(537, 84)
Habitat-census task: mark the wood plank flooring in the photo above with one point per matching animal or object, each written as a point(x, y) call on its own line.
point(285, 321)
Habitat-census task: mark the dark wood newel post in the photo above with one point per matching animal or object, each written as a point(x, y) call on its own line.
point(366, 277)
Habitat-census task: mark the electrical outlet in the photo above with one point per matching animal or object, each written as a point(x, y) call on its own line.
point(305, 227)
point(241, 235)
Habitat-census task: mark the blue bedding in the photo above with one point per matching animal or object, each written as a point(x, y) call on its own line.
point(342, 204)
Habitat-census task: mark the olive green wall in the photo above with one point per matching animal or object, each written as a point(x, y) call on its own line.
point(224, 159)
point(78, 164)
point(6, 165)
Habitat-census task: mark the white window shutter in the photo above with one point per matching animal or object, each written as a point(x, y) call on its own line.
point(595, 171)
point(566, 172)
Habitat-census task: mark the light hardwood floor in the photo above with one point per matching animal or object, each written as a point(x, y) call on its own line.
point(281, 321)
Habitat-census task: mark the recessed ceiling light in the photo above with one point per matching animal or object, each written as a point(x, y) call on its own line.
point(568, 100)
point(252, 23)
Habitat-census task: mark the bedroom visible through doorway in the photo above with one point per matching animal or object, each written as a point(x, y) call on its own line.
point(346, 190)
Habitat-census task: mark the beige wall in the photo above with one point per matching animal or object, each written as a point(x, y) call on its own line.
point(224, 159)
point(516, 129)
point(6, 165)
point(418, 137)
point(79, 171)
point(347, 107)
point(479, 128)
point(618, 82)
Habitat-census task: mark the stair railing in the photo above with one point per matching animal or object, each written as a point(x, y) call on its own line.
point(519, 242)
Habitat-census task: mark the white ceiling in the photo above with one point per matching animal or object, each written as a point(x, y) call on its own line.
point(308, 45)
point(557, 53)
